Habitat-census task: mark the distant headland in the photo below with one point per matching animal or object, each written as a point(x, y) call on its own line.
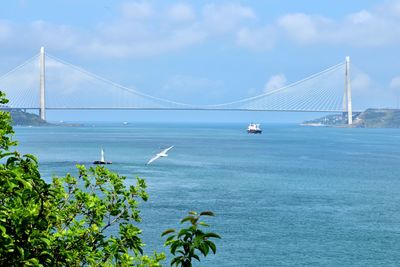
point(23, 118)
point(370, 118)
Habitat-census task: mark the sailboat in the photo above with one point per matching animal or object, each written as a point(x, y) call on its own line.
point(102, 160)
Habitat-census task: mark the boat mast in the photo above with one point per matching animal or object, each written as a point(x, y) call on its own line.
point(102, 155)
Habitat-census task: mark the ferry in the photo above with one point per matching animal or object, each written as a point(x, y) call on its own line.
point(254, 128)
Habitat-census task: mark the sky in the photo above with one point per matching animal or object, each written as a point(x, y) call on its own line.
point(209, 52)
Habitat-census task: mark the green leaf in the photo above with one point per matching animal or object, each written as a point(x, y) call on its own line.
point(196, 257)
point(211, 245)
point(204, 224)
point(170, 238)
point(212, 235)
point(32, 157)
point(168, 231)
point(207, 213)
point(183, 232)
point(46, 241)
point(174, 246)
point(176, 260)
point(188, 218)
point(203, 249)
point(180, 251)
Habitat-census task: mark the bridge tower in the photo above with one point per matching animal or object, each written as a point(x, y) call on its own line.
point(347, 104)
point(42, 104)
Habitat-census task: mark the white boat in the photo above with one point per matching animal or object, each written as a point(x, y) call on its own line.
point(102, 160)
point(254, 128)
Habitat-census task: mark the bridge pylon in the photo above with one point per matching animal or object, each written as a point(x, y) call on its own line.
point(42, 103)
point(347, 103)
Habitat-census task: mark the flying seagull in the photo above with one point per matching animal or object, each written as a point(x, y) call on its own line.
point(159, 155)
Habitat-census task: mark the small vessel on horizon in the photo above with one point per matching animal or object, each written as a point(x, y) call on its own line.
point(254, 128)
point(102, 160)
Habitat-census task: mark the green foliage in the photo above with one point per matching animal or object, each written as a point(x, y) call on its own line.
point(6, 130)
point(83, 221)
point(24, 216)
point(191, 241)
point(86, 220)
point(87, 207)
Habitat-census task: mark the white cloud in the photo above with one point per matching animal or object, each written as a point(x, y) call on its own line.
point(375, 27)
point(367, 93)
point(361, 82)
point(395, 8)
point(275, 82)
point(360, 17)
point(5, 30)
point(261, 39)
point(137, 10)
point(225, 17)
point(395, 83)
point(181, 12)
point(54, 36)
point(148, 45)
point(38, 33)
point(301, 27)
point(142, 28)
point(126, 37)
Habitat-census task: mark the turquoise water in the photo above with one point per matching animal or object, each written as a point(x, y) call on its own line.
point(291, 196)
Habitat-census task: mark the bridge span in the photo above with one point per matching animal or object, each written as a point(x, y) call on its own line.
point(46, 82)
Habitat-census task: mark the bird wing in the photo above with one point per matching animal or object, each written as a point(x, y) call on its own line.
point(166, 150)
point(153, 159)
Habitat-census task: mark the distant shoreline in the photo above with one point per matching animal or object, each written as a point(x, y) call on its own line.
point(26, 119)
point(370, 118)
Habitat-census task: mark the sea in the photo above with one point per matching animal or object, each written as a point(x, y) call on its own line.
point(291, 196)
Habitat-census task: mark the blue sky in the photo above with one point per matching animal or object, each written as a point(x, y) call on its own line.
point(209, 51)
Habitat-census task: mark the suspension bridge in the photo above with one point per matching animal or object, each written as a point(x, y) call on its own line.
point(45, 82)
